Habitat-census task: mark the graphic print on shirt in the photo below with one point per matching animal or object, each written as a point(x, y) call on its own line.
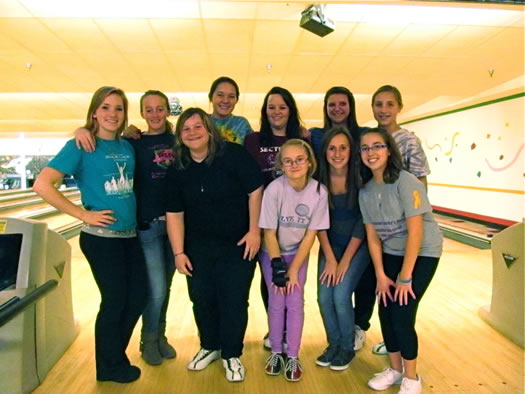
point(119, 183)
point(271, 155)
point(163, 158)
point(390, 229)
point(300, 221)
point(233, 128)
point(228, 134)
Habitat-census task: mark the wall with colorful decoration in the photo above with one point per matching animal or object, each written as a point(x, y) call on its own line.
point(476, 156)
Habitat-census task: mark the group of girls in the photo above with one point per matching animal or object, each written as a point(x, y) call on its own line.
point(200, 202)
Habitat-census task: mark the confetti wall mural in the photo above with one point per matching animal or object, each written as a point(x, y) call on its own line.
point(476, 158)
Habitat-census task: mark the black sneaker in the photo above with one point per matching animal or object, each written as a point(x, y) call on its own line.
point(342, 360)
point(325, 359)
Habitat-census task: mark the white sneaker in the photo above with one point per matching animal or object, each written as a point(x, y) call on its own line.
point(380, 349)
point(266, 343)
point(385, 379)
point(203, 358)
point(410, 386)
point(234, 369)
point(359, 338)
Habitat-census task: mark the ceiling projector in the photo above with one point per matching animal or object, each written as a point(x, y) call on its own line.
point(314, 20)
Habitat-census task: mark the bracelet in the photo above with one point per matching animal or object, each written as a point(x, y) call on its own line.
point(404, 282)
point(178, 254)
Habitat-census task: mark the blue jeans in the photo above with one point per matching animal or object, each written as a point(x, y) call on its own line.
point(160, 267)
point(335, 303)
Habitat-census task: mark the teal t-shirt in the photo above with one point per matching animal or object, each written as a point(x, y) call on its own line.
point(233, 128)
point(104, 178)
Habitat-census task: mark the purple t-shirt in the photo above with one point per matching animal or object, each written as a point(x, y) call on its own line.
point(292, 212)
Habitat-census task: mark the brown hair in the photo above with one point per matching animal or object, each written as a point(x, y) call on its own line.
point(392, 89)
point(182, 153)
point(394, 163)
point(169, 125)
point(352, 174)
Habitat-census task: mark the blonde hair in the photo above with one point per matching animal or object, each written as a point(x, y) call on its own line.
point(300, 143)
point(96, 101)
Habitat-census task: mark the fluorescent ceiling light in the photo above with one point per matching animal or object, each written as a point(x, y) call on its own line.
point(421, 15)
point(389, 14)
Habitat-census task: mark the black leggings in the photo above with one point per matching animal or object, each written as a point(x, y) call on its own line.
point(264, 292)
point(119, 270)
point(398, 322)
point(365, 298)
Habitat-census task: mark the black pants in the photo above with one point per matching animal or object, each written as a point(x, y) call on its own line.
point(264, 292)
point(219, 288)
point(365, 298)
point(119, 270)
point(398, 322)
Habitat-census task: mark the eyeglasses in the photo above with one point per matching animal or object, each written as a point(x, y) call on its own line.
point(298, 162)
point(374, 147)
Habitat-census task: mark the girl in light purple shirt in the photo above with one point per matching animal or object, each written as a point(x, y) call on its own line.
point(294, 208)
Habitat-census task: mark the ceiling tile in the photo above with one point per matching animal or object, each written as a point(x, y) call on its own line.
point(370, 39)
point(179, 35)
point(32, 35)
point(130, 35)
point(283, 43)
point(79, 34)
point(234, 36)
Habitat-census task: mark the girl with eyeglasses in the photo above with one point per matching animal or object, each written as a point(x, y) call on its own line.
point(387, 103)
point(405, 244)
point(280, 122)
point(294, 208)
point(343, 256)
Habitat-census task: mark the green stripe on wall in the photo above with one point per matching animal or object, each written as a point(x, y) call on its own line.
point(512, 97)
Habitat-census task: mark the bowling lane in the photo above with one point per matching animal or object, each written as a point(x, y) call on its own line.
point(33, 210)
point(59, 220)
point(27, 195)
point(25, 205)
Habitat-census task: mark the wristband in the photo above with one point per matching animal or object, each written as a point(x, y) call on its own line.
point(279, 272)
point(178, 254)
point(403, 282)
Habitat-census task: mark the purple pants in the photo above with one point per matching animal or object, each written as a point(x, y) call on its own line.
point(293, 304)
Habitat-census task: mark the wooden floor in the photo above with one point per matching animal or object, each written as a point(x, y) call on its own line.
point(459, 353)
